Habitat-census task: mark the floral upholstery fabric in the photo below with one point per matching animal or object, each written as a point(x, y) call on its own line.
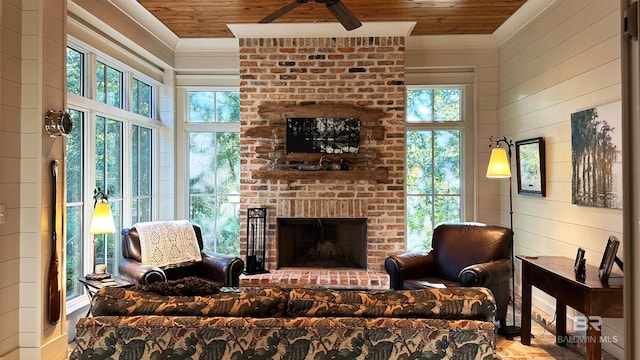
point(255, 303)
point(160, 337)
point(298, 324)
point(451, 303)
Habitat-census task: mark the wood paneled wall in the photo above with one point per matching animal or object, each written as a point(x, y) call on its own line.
point(565, 61)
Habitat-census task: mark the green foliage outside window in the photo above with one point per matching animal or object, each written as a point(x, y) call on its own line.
point(434, 104)
point(74, 203)
point(75, 74)
point(108, 85)
point(109, 176)
point(433, 163)
point(141, 207)
point(141, 99)
point(214, 106)
point(214, 171)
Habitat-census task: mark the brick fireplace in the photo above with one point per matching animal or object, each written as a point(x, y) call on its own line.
point(363, 72)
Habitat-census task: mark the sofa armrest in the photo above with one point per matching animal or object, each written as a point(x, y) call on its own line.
point(222, 268)
point(486, 274)
point(412, 265)
point(140, 274)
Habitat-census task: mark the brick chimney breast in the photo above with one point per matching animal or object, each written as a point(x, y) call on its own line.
point(367, 72)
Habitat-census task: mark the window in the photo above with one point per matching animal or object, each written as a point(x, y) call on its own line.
point(434, 161)
point(108, 173)
point(141, 98)
point(141, 209)
point(213, 153)
point(108, 85)
point(75, 204)
point(214, 106)
point(75, 72)
point(111, 147)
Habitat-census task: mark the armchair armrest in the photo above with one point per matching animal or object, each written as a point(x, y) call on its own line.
point(140, 274)
point(222, 268)
point(486, 274)
point(412, 265)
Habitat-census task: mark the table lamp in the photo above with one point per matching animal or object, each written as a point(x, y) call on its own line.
point(500, 168)
point(101, 224)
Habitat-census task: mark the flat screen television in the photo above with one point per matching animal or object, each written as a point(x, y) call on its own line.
point(323, 135)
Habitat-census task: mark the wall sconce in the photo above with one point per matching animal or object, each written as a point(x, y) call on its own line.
point(57, 123)
point(101, 223)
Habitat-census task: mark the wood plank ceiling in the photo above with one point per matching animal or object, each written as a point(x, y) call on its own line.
point(208, 18)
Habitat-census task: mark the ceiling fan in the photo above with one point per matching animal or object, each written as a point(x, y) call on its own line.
point(337, 8)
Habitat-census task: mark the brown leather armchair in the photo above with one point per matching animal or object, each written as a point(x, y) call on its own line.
point(221, 269)
point(462, 254)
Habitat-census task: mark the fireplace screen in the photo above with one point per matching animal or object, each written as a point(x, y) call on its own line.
point(322, 242)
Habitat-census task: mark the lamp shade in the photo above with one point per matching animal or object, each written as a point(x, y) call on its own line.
point(102, 220)
point(499, 166)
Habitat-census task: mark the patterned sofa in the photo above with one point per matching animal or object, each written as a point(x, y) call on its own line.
point(275, 323)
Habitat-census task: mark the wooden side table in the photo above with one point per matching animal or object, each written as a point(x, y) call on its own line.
point(555, 276)
point(92, 286)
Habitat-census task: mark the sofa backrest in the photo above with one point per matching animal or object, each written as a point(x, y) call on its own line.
point(450, 303)
point(458, 245)
point(470, 303)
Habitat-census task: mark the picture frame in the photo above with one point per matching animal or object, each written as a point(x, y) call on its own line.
point(530, 163)
point(579, 257)
point(596, 156)
point(608, 258)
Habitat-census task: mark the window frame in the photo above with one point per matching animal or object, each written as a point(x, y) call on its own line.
point(466, 126)
point(185, 127)
point(92, 108)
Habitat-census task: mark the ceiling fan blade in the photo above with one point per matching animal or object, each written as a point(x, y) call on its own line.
point(283, 10)
point(346, 17)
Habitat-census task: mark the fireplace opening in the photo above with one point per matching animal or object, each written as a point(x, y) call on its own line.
point(322, 242)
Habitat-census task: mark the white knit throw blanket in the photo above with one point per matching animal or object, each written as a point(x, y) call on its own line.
point(168, 243)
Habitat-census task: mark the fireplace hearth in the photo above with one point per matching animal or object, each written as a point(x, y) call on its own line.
point(326, 243)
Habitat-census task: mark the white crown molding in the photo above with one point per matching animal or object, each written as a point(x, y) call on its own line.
point(144, 18)
point(320, 30)
point(527, 13)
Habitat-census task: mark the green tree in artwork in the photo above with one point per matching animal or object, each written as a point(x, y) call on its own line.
point(593, 154)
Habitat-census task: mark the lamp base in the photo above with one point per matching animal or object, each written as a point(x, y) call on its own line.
point(97, 276)
point(509, 332)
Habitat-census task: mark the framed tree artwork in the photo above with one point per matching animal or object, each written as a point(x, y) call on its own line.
point(596, 156)
point(530, 162)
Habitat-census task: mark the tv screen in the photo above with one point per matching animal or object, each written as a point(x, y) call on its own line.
point(323, 135)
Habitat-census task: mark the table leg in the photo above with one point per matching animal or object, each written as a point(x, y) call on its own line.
point(561, 323)
point(525, 320)
point(594, 349)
